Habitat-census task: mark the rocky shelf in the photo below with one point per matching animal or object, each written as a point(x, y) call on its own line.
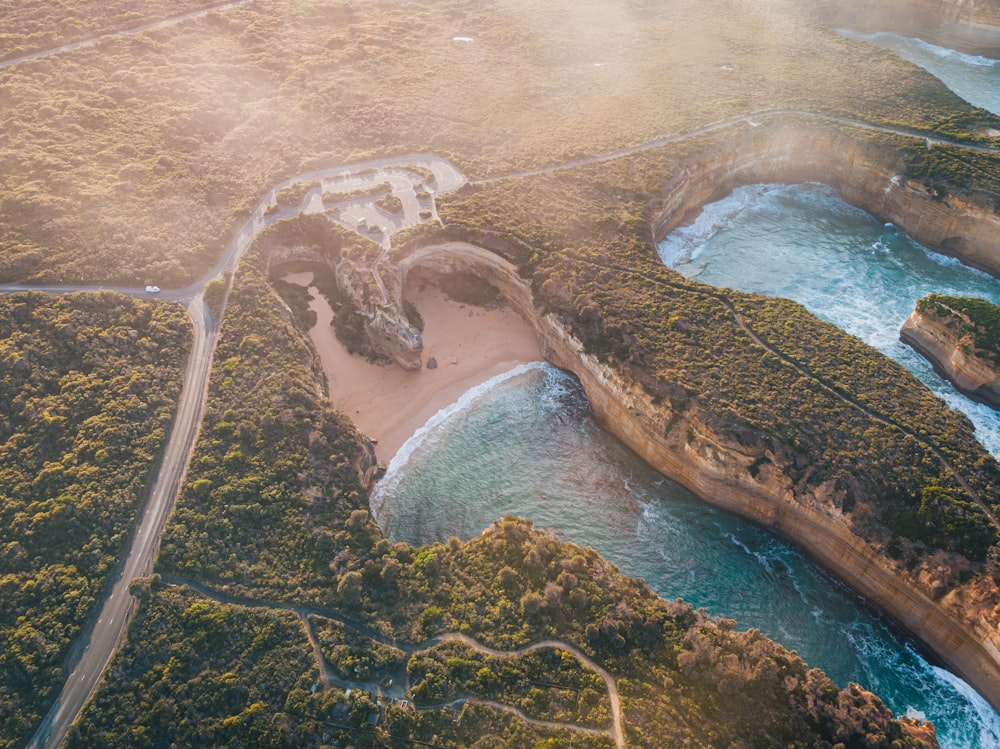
point(958, 336)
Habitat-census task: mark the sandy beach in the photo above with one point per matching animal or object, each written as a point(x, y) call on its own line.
point(471, 345)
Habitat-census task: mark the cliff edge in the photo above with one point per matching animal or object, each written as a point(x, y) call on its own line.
point(972, 26)
point(959, 343)
point(896, 497)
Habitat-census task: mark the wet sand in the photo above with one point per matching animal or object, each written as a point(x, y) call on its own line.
point(389, 404)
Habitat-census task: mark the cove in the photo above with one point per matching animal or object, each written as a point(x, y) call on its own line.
point(803, 242)
point(976, 79)
point(526, 443)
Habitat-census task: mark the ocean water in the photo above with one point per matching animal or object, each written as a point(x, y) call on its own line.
point(526, 443)
point(804, 243)
point(976, 79)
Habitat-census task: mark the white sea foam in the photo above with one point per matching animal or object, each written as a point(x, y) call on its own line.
point(953, 54)
point(983, 716)
point(684, 243)
point(433, 429)
point(896, 41)
point(762, 559)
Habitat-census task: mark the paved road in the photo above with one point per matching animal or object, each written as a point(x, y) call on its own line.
point(107, 632)
point(90, 41)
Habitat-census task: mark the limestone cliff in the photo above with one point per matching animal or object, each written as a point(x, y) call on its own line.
point(866, 176)
point(373, 297)
point(751, 479)
point(376, 298)
point(941, 340)
point(971, 26)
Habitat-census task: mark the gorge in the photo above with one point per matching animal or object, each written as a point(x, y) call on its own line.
point(689, 447)
point(163, 160)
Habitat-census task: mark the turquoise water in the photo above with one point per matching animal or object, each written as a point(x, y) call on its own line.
point(804, 243)
point(526, 443)
point(976, 79)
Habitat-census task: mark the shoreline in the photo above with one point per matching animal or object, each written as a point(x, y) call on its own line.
point(388, 404)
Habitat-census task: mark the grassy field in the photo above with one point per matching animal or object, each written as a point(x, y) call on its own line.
point(132, 159)
point(140, 153)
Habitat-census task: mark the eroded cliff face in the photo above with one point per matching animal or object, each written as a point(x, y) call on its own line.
point(865, 175)
point(377, 301)
point(971, 26)
point(959, 624)
point(933, 339)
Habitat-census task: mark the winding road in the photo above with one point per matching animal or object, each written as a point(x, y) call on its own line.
point(106, 632)
point(133, 31)
point(105, 635)
point(616, 732)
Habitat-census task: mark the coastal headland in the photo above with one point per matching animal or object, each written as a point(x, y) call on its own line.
point(154, 157)
point(956, 344)
point(724, 460)
point(755, 477)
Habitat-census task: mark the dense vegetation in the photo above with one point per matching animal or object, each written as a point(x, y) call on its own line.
point(200, 673)
point(293, 195)
point(34, 26)
point(138, 156)
point(976, 322)
point(468, 288)
point(390, 203)
point(237, 677)
point(132, 156)
point(275, 473)
point(354, 656)
point(88, 389)
point(546, 684)
point(289, 528)
point(847, 420)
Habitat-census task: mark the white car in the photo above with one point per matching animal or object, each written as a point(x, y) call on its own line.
point(152, 289)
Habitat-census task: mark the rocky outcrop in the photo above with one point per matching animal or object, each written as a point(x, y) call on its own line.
point(942, 345)
point(366, 463)
point(686, 445)
point(746, 476)
point(972, 26)
point(866, 176)
point(388, 331)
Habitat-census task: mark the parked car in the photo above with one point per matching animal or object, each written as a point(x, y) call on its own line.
point(153, 289)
